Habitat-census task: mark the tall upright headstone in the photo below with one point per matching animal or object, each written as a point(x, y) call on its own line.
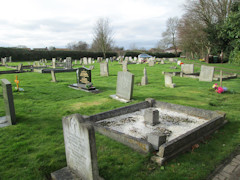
point(187, 68)
point(144, 78)
point(85, 61)
point(89, 60)
point(206, 73)
point(124, 91)
point(80, 149)
point(10, 117)
point(69, 63)
point(54, 63)
point(104, 69)
point(10, 58)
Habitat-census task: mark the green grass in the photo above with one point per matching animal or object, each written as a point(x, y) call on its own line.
point(34, 147)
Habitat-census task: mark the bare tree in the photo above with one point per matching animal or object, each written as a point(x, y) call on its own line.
point(78, 46)
point(102, 36)
point(170, 35)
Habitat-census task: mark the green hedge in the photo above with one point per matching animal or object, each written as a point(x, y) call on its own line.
point(158, 55)
point(31, 55)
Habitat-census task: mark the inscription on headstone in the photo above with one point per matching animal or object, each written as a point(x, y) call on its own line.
point(80, 149)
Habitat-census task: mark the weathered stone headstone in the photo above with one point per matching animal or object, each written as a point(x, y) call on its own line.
point(156, 139)
point(69, 63)
point(124, 91)
point(10, 117)
point(104, 69)
point(144, 78)
point(20, 67)
point(206, 73)
point(107, 60)
point(10, 58)
point(80, 149)
point(81, 61)
point(187, 68)
point(4, 60)
point(91, 67)
point(53, 76)
point(124, 66)
point(151, 117)
point(89, 60)
point(85, 61)
point(54, 63)
point(162, 61)
point(151, 63)
point(168, 81)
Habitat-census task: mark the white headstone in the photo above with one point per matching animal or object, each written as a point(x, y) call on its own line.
point(206, 73)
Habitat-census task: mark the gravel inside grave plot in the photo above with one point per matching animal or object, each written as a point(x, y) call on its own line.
point(172, 123)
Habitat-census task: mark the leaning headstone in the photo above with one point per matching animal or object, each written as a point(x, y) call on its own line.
point(124, 66)
point(10, 117)
point(20, 67)
point(144, 78)
point(168, 81)
point(206, 73)
point(80, 149)
point(68, 63)
point(187, 68)
point(104, 69)
point(4, 61)
point(125, 81)
point(53, 76)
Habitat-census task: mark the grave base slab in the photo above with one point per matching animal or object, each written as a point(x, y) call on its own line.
point(114, 96)
point(75, 86)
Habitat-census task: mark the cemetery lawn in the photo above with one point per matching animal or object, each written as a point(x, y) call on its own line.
point(34, 147)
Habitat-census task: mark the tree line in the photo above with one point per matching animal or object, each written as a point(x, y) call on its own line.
point(206, 27)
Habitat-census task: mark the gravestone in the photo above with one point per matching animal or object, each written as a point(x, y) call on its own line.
point(124, 90)
point(10, 58)
point(171, 60)
point(91, 67)
point(81, 61)
point(168, 81)
point(53, 76)
point(75, 61)
point(144, 78)
point(206, 73)
point(162, 61)
point(85, 61)
point(187, 68)
point(10, 117)
point(54, 63)
point(124, 66)
point(89, 60)
point(107, 60)
point(4, 61)
point(84, 81)
point(68, 63)
point(80, 149)
point(151, 63)
point(104, 69)
point(20, 67)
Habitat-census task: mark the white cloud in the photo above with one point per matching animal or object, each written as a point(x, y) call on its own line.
point(44, 23)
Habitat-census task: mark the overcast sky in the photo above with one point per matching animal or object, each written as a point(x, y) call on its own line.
point(44, 23)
